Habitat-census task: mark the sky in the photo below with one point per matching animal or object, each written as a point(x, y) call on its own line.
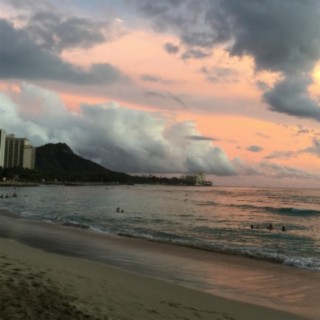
point(229, 88)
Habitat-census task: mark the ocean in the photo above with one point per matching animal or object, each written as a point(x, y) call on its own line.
point(218, 219)
point(177, 234)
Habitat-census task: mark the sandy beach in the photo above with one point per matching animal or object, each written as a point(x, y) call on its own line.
point(41, 285)
point(37, 284)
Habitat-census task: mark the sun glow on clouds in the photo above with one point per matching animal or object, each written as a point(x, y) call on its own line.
point(200, 85)
point(219, 75)
point(184, 99)
point(314, 89)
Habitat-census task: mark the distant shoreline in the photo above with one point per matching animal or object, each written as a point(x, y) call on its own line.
point(18, 184)
point(85, 184)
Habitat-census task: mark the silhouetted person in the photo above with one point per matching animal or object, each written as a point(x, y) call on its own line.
point(270, 226)
point(283, 228)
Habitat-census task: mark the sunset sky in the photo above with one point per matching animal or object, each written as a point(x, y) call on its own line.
point(226, 87)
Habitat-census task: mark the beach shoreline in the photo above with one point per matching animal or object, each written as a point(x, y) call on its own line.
point(79, 274)
point(42, 285)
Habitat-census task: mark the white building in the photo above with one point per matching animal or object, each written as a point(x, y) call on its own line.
point(2, 147)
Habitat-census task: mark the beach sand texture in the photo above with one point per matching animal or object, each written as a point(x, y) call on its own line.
point(35, 284)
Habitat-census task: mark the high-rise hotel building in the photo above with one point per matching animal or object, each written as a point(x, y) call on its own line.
point(2, 146)
point(16, 152)
point(29, 155)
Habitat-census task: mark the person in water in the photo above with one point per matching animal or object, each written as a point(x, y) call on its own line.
point(270, 226)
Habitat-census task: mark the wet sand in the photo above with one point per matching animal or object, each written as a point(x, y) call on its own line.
point(36, 284)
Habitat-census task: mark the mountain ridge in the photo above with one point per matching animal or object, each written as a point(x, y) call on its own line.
point(58, 159)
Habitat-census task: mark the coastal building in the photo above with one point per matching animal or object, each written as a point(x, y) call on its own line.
point(29, 155)
point(13, 152)
point(196, 180)
point(2, 147)
point(18, 153)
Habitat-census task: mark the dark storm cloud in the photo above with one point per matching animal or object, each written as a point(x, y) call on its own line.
point(291, 96)
point(157, 8)
point(22, 58)
point(171, 48)
point(254, 148)
point(167, 13)
point(199, 39)
point(57, 29)
point(281, 36)
point(57, 32)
